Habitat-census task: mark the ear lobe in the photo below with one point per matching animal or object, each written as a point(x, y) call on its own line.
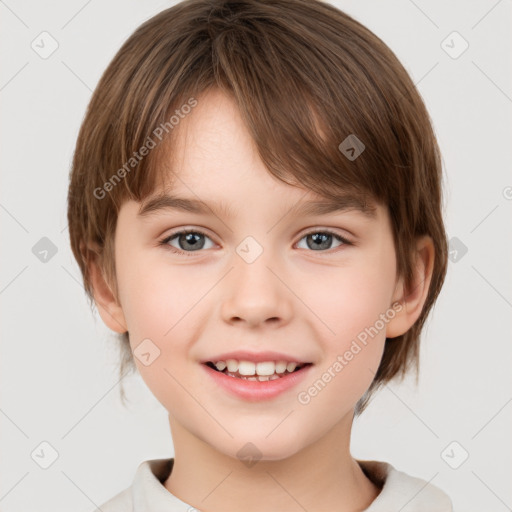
point(110, 311)
point(413, 298)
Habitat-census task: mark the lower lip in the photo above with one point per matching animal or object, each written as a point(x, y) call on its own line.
point(254, 390)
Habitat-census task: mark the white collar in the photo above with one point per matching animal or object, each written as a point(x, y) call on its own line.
point(399, 489)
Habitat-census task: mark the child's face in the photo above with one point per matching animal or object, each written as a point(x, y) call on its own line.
point(307, 297)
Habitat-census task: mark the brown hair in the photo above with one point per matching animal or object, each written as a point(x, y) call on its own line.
point(304, 76)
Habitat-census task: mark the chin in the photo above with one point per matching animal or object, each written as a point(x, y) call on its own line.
point(256, 446)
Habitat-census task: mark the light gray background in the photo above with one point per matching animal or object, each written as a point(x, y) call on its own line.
point(59, 362)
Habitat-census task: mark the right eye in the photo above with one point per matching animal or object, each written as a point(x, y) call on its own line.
point(189, 241)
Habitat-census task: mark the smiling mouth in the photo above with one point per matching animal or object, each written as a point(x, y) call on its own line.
point(263, 371)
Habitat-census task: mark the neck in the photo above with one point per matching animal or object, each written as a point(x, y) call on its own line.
point(322, 476)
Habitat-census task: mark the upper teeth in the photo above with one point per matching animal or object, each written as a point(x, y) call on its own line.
point(250, 368)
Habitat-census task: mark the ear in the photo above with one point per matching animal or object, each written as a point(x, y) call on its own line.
point(413, 298)
point(109, 309)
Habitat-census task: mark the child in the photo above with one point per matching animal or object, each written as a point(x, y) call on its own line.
point(286, 145)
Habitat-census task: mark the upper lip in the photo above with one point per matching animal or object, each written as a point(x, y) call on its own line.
point(256, 357)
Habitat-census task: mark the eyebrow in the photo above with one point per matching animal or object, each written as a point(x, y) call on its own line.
point(341, 204)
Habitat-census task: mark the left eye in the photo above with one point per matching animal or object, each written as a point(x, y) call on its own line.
point(322, 239)
point(193, 241)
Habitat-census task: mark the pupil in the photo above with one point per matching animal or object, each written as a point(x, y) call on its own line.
point(192, 240)
point(320, 240)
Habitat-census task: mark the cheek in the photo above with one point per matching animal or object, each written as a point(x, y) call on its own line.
point(156, 299)
point(160, 308)
point(351, 301)
point(351, 329)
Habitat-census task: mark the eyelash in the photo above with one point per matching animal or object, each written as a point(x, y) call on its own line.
point(168, 238)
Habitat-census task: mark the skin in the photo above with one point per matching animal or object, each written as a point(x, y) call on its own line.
point(293, 298)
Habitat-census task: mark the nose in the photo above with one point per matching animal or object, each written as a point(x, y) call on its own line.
point(257, 293)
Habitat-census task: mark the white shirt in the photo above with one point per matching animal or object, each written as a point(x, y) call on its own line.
point(398, 491)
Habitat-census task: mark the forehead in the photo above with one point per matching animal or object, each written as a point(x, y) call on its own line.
point(212, 166)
